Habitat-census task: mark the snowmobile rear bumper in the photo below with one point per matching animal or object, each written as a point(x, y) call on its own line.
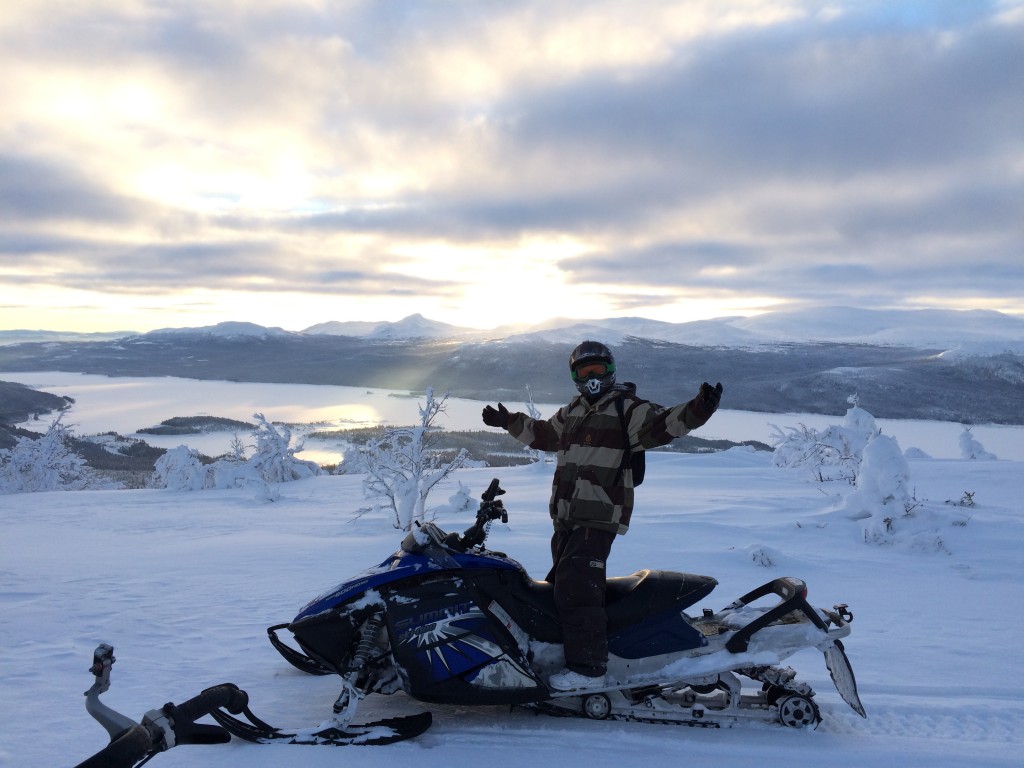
point(793, 604)
point(794, 600)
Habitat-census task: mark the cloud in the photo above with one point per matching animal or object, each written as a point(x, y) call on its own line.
point(36, 189)
point(773, 149)
point(785, 103)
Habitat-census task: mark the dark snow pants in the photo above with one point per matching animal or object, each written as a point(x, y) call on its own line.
point(578, 575)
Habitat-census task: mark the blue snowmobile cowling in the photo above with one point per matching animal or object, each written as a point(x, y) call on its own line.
point(398, 567)
point(448, 621)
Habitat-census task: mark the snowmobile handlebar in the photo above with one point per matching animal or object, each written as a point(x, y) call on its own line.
point(433, 539)
point(490, 509)
point(161, 729)
point(492, 491)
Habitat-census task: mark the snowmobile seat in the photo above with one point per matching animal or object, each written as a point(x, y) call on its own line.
point(632, 598)
point(629, 600)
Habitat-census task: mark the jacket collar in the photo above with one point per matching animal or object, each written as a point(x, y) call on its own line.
point(618, 390)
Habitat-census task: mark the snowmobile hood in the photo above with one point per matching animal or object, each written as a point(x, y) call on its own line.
point(398, 567)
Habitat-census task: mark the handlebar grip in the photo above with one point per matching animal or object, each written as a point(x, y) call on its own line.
point(492, 491)
point(127, 748)
point(226, 695)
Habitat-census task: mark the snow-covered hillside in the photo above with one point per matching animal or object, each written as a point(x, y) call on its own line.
point(184, 584)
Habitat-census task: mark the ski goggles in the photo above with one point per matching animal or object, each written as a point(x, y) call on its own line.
point(586, 370)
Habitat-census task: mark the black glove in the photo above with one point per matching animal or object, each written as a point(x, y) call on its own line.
point(701, 408)
point(496, 417)
point(712, 396)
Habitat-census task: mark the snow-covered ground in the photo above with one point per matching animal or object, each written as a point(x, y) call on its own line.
point(184, 584)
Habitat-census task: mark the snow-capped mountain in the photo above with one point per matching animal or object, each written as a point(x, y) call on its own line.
point(920, 328)
point(941, 329)
point(613, 330)
point(412, 327)
point(26, 336)
point(982, 331)
point(227, 330)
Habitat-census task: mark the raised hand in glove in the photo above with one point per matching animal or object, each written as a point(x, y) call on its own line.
point(712, 396)
point(701, 408)
point(496, 417)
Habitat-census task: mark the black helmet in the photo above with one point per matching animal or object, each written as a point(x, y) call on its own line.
point(592, 367)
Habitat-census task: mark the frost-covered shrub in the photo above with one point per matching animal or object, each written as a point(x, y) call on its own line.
point(47, 463)
point(881, 494)
point(180, 469)
point(462, 500)
point(883, 502)
point(970, 448)
point(273, 462)
point(833, 453)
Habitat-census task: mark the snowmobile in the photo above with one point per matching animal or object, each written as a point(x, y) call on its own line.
point(448, 621)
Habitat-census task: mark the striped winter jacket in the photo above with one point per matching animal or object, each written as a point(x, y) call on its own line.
point(593, 483)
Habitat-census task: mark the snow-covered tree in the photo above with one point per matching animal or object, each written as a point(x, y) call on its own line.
point(534, 413)
point(47, 463)
point(273, 462)
point(890, 513)
point(881, 490)
point(970, 448)
point(237, 448)
point(180, 469)
point(833, 453)
point(401, 467)
point(531, 409)
point(882, 501)
point(462, 500)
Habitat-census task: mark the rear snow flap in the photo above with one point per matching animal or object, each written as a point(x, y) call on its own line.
point(842, 675)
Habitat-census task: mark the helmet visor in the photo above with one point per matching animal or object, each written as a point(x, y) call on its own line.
point(586, 370)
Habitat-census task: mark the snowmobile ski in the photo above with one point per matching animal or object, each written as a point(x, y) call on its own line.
point(297, 659)
point(386, 731)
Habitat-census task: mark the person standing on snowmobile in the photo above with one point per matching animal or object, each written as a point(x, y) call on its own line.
point(595, 438)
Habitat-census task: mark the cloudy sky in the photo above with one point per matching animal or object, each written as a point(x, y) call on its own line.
point(181, 163)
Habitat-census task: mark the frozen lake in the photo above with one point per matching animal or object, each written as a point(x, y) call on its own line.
point(126, 405)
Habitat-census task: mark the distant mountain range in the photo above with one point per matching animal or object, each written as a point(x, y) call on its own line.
point(945, 329)
point(943, 365)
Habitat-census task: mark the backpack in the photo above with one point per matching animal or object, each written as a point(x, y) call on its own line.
point(636, 461)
